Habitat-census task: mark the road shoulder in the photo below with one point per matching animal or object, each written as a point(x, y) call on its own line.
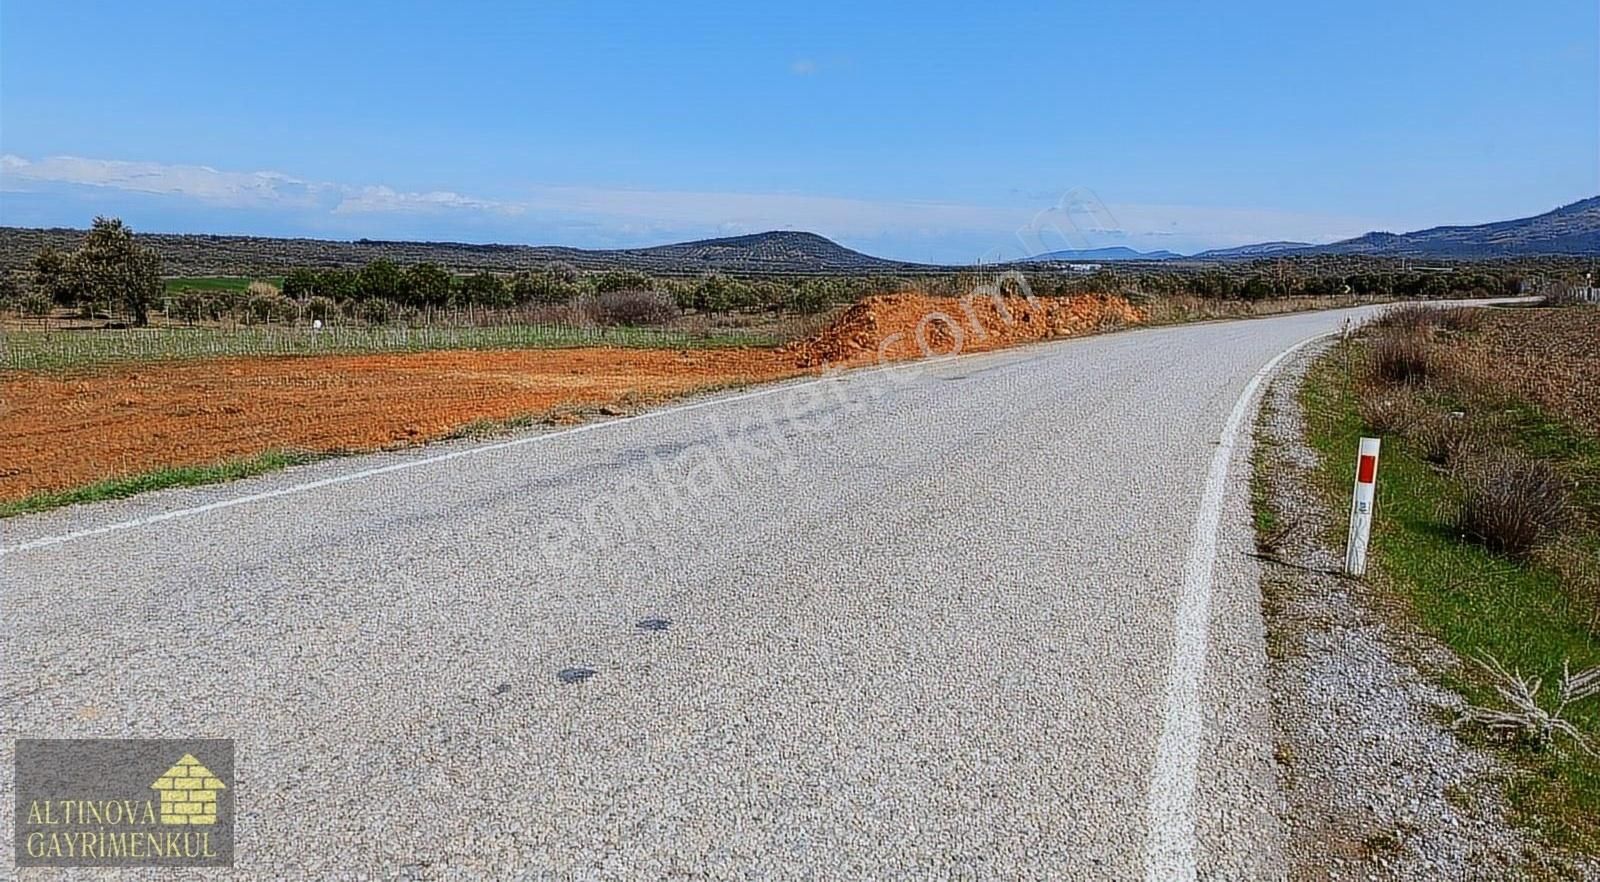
point(1376, 785)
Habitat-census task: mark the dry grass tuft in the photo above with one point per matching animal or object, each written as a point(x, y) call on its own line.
point(1406, 317)
point(1420, 318)
point(1512, 503)
point(1460, 319)
point(1402, 355)
point(1452, 440)
point(1390, 410)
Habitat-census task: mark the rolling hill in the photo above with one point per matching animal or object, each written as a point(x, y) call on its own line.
point(777, 252)
point(1571, 229)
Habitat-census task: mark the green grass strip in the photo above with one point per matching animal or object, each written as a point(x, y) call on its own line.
point(1472, 600)
point(160, 479)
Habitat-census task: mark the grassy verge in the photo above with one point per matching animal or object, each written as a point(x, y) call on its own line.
point(40, 350)
point(160, 479)
point(1529, 611)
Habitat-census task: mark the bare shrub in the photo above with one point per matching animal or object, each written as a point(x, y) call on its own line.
point(1522, 718)
point(1451, 440)
point(1402, 356)
point(1408, 317)
point(187, 306)
point(372, 310)
point(1419, 318)
point(1458, 318)
point(262, 289)
point(268, 306)
point(1389, 410)
point(633, 307)
point(1511, 503)
point(321, 308)
point(34, 304)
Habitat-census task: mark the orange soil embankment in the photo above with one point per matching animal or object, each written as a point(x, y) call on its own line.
point(64, 431)
point(899, 326)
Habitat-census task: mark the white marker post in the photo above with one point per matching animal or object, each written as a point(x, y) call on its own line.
point(1355, 556)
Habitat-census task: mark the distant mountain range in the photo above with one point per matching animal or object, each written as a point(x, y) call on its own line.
point(1570, 230)
point(1116, 252)
point(1247, 252)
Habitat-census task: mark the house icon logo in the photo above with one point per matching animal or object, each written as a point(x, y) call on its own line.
point(188, 793)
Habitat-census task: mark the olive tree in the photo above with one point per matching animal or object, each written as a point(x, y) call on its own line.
point(427, 284)
point(53, 276)
point(111, 267)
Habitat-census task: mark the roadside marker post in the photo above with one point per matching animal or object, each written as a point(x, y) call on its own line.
point(1355, 556)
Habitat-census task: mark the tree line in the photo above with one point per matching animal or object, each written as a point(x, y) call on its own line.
point(110, 271)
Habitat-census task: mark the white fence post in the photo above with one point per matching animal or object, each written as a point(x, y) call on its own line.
point(1355, 556)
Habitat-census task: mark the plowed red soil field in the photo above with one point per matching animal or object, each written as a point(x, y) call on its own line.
point(62, 431)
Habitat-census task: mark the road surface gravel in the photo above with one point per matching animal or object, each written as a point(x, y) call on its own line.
point(914, 623)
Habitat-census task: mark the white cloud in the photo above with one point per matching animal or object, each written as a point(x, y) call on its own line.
point(233, 189)
point(194, 181)
point(803, 67)
point(1078, 219)
point(379, 198)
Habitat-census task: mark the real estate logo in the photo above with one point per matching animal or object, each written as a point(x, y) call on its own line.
point(188, 793)
point(124, 802)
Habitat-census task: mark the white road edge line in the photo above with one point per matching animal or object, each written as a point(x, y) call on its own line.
point(46, 541)
point(1170, 839)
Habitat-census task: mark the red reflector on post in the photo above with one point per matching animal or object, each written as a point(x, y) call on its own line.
point(1368, 469)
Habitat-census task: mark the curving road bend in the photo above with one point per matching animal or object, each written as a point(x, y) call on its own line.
point(915, 623)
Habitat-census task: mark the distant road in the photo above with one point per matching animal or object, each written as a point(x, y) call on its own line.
point(917, 623)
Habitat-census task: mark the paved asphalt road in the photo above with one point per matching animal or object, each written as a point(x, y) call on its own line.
point(913, 624)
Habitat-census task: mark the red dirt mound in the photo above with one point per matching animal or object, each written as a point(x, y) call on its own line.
point(894, 327)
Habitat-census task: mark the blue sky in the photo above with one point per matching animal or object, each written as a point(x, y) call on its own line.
point(927, 131)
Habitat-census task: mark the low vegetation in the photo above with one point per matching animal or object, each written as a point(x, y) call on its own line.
point(96, 298)
point(1488, 521)
point(34, 350)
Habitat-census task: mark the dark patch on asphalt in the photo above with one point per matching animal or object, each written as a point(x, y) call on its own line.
point(654, 624)
point(502, 689)
point(574, 675)
point(645, 455)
